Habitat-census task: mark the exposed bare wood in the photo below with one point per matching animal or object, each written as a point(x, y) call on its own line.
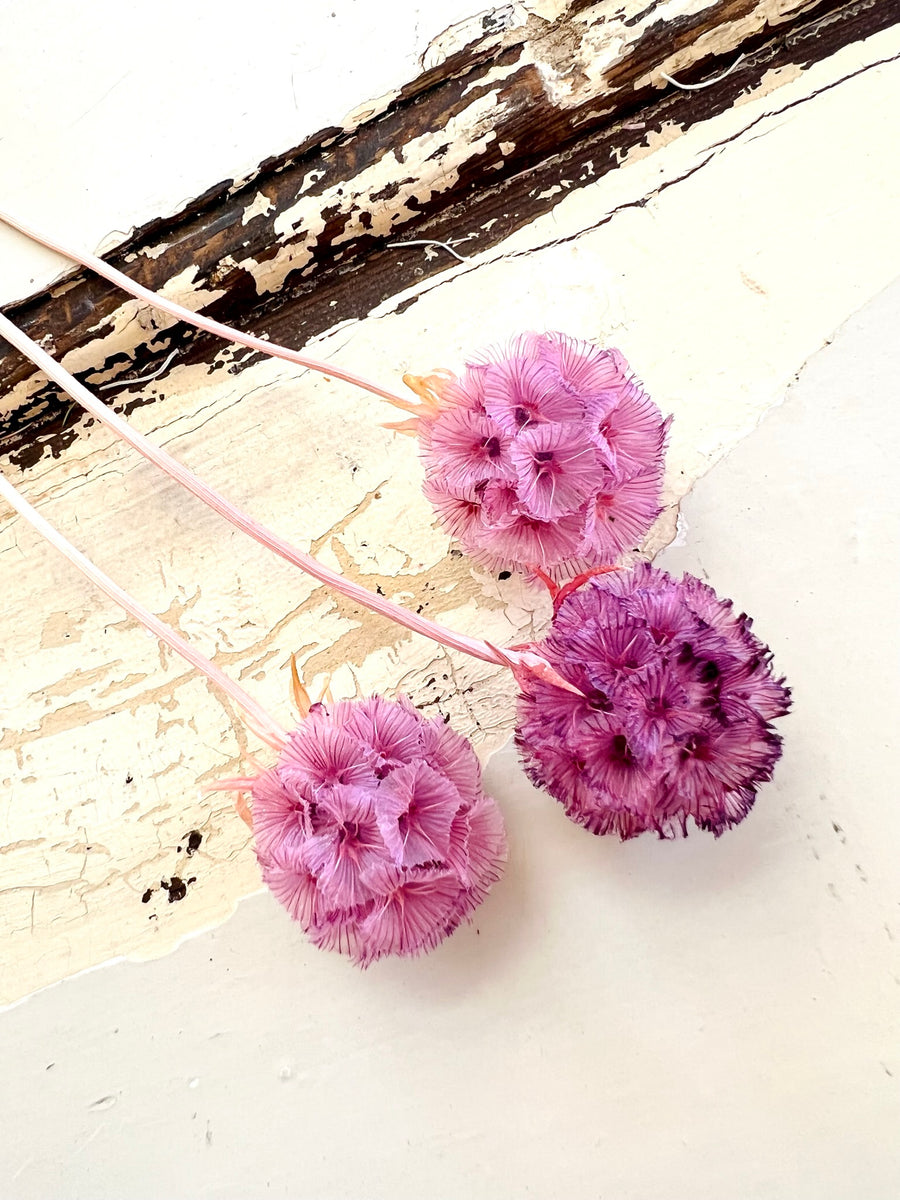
point(474, 148)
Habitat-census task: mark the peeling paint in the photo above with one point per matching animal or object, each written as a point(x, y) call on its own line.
point(260, 206)
point(588, 58)
point(428, 174)
point(485, 28)
point(154, 251)
point(372, 108)
point(770, 82)
point(654, 139)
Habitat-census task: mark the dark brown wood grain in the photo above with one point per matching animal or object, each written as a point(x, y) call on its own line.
point(506, 189)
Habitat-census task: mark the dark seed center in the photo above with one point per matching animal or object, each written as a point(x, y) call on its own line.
point(621, 751)
point(348, 832)
point(696, 746)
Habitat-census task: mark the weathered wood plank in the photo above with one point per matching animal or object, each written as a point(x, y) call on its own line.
point(475, 147)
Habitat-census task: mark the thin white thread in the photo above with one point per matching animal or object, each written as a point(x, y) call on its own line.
point(428, 242)
point(140, 379)
point(693, 87)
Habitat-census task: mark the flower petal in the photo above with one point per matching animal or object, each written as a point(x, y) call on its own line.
point(415, 807)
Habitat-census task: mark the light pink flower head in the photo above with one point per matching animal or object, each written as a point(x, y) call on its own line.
point(545, 453)
point(675, 718)
point(373, 830)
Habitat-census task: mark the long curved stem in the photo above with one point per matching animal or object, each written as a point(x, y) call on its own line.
point(93, 263)
point(515, 660)
point(258, 719)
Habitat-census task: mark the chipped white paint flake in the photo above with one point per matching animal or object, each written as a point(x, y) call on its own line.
point(668, 132)
point(260, 206)
point(457, 37)
point(154, 251)
point(366, 112)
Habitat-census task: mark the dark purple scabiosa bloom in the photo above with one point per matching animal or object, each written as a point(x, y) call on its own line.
point(545, 453)
point(675, 719)
point(373, 830)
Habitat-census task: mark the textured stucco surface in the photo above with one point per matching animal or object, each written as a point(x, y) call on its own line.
point(650, 1021)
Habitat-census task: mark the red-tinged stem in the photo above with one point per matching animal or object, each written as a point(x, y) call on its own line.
point(559, 593)
point(513, 659)
point(93, 263)
point(257, 717)
point(551, 585)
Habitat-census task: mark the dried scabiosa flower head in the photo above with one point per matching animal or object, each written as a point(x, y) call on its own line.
point(546, 453)
point(675, 719)
point(373, 830)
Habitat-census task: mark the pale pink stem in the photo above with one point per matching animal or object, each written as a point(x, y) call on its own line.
point(258, 719)
point(93, 263)
point(515, 660)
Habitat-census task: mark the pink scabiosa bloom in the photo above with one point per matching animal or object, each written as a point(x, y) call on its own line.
point(544, 453)
point(373, 829)
point(674, 722)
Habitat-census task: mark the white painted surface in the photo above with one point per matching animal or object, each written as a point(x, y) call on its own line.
point(118, 115)
point(650, 1021)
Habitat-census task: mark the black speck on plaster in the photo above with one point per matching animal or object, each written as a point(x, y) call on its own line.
point(176, 888)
